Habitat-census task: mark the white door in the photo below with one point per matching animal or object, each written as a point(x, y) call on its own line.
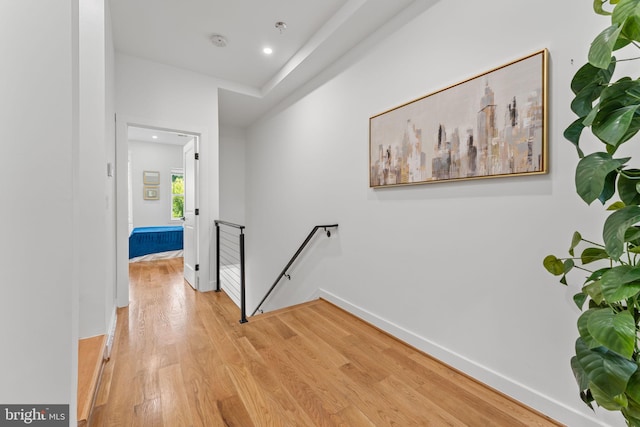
point(191, 266)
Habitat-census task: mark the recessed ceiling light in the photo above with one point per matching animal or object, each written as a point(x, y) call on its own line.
point(267, 51)
point(154, 136)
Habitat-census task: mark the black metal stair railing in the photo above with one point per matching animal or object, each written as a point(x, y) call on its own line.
point(293, 258)
point(227, 250)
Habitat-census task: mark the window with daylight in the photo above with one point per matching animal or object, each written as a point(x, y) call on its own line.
point(177, 194)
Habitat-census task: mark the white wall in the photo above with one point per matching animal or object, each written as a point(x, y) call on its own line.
point(163, 158)
point(232, 175)
point(232, 201)
point(453, 268)
point(39, 268)
point(110, 148)
point(160, 96)
point(96, 202)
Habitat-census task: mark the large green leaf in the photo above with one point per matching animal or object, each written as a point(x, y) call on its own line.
point(591, 174)
point(633, 90)
point(593, 254)
point(611, 126)
point(612, 403)
point(609, 371)
point(627, 186)
point(583, 328)
point(633, 387)
point(615, 119)
point(620, 283)
point(602, 47)
point(633, 93)
point(593, 114)
point(582, 104)
point(615, 331)
point(627, 16)
point(632, 235)
point(615, 228)
point(624, 10)
point(622, 41)
point(621, 93)
point(594, 290)
point(609, 187)
point(633, 129)
point(588, 74)
point(572, 134)
point(578, 372)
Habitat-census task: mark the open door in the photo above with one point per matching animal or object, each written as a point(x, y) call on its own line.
point(191, 212)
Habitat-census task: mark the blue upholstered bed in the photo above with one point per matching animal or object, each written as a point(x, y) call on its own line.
point(152, 240)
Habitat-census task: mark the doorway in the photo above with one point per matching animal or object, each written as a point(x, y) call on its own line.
point(169, 200)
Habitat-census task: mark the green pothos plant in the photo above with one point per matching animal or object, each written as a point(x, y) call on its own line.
point(607, 360)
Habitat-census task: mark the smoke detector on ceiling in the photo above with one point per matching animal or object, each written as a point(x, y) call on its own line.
point(281, 26)
point(218, 40)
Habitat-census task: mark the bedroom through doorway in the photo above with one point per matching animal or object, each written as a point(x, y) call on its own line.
point(163, 183)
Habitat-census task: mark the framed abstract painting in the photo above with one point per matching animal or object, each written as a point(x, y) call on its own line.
point(491, 125)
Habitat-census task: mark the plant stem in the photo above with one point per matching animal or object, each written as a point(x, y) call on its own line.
point(582, 268)
point(627, 59)
point(593, 243)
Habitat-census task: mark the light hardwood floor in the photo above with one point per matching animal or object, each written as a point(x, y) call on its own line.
point(180, 358)
point(90, 363)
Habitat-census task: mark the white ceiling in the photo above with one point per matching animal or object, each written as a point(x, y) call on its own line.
point(319, 32)
point(157, 135)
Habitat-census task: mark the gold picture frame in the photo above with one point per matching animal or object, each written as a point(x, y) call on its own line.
point(491, 125)
point(151, 193)
point(151, 177)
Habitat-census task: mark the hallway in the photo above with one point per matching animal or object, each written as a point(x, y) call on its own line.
point(181, 358)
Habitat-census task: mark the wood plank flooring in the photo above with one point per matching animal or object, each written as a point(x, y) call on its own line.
point(181, 358)
point(90, 360)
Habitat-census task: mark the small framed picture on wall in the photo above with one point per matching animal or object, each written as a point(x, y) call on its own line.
point(151, 193)
point(151, 178)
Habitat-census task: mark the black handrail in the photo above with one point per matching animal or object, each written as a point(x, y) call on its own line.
point(243, 306)
point(230, 224)
point(293, 258)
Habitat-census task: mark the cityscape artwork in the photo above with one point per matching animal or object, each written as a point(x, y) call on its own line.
point(492, 125)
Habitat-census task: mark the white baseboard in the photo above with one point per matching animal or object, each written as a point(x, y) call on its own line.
point(522, 393)
point(210, 285)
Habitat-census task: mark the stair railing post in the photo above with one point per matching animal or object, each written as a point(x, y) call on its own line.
point(217, 257)
point(243, 305)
